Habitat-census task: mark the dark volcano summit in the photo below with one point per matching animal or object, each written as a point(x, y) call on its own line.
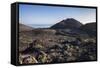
point(67, 23)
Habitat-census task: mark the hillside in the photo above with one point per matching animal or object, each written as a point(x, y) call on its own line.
point(90, 28)
point(23, 27)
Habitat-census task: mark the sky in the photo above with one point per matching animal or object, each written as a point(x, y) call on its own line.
point(36, 14)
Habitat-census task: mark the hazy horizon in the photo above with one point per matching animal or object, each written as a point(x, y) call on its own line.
point(36, 14)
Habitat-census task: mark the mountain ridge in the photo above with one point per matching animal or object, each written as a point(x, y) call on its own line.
point(67, 23)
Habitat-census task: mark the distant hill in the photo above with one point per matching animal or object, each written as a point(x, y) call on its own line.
point(90, 28)
point(23, 27)
point(67, 23)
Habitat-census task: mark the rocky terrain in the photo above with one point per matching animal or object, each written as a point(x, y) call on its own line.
point(66, 41)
